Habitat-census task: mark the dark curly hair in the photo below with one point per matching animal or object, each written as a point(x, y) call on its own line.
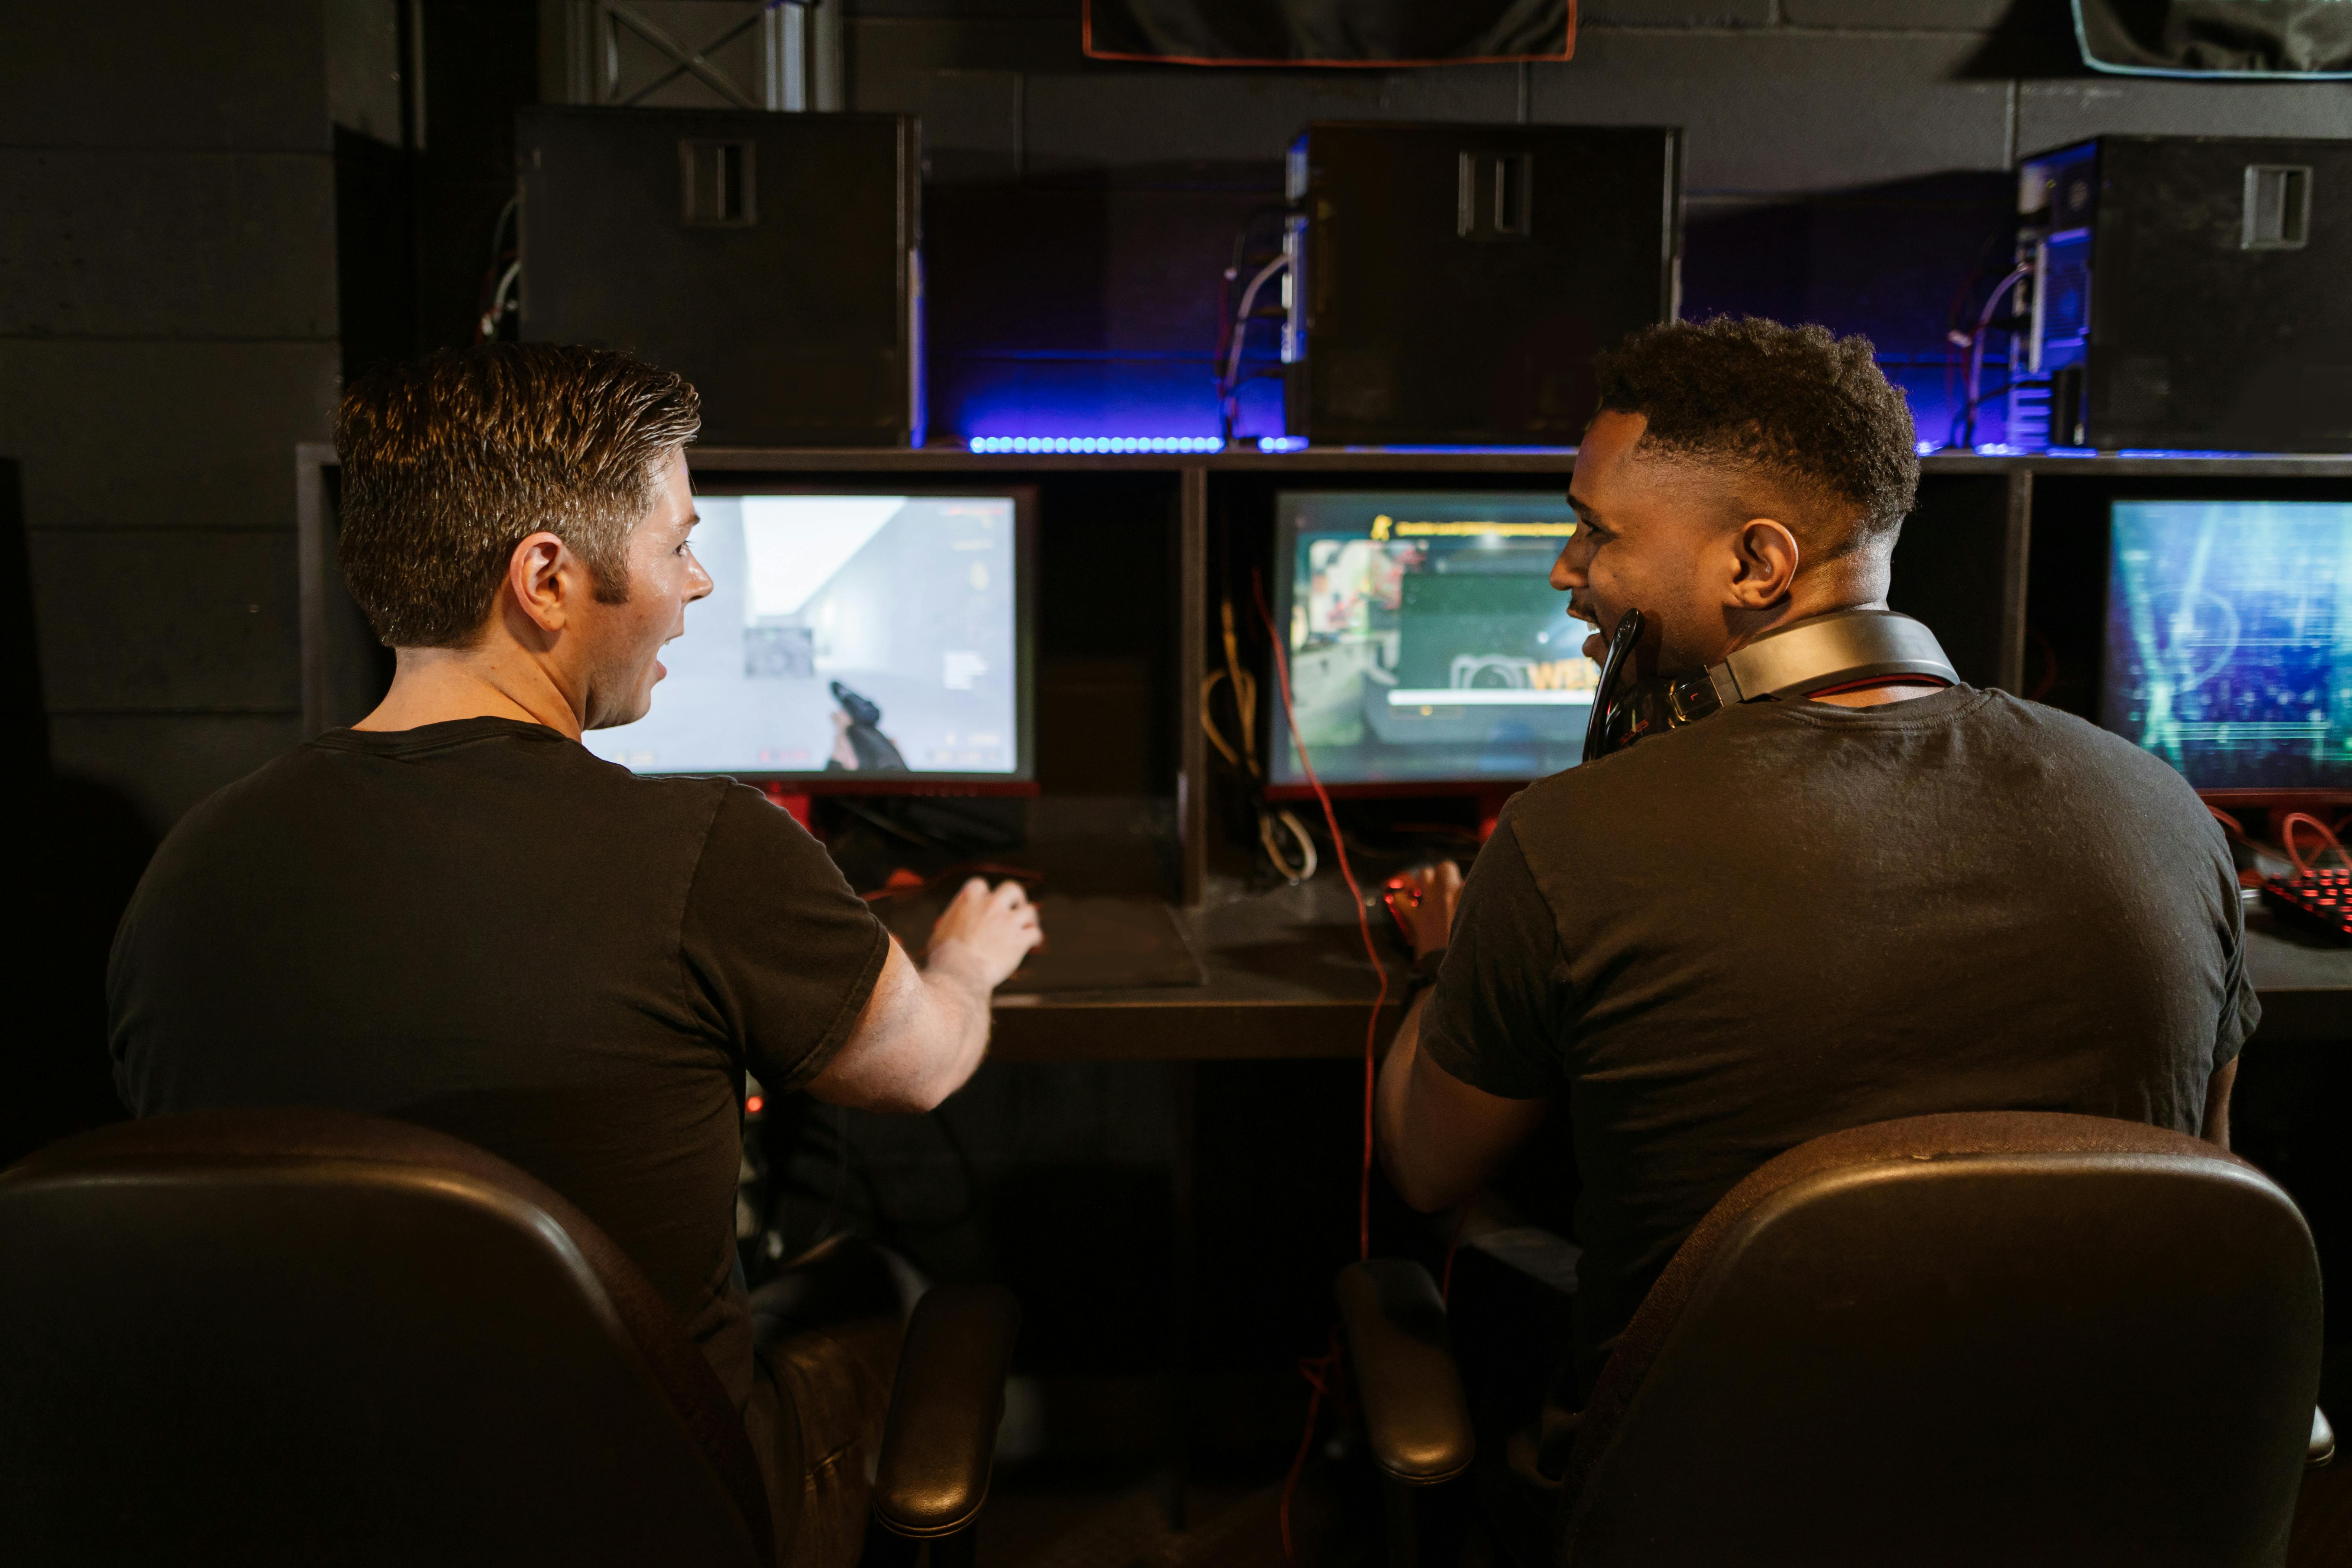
point(1790, 403)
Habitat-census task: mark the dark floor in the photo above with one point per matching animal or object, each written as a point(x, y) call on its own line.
point(2323, 1520)
point(1073, 1526)
point(1129, 1529)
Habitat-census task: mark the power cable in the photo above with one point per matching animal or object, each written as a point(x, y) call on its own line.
point(1967, 418)
point(1229, 375)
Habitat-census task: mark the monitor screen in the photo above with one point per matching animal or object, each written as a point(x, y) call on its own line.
point(2229, 639)
point(1426, 642)
point(847, 635)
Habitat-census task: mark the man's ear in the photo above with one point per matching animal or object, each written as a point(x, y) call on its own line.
point(542, 580)
point(1764, 556)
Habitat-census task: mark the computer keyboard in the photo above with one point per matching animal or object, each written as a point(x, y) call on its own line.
point(2320, 899)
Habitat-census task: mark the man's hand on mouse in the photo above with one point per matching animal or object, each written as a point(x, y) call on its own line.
point(988, 932)
point(1436, 890)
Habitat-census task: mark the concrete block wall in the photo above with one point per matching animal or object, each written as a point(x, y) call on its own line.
point(1848, 162)
point(167, 334)
point(168, 311)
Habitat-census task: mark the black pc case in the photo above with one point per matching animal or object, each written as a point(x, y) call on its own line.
point(1451, 284)
point(2194, 293)
point(772, 259)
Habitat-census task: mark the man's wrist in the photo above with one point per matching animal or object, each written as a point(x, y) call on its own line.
point(1423, 975)
point(959, 962)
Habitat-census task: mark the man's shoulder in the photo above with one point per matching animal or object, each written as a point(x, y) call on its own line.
point(2068, 748)
point(2001, 711)
point(1745, 758)
point(345, 773)
point(1637, 781)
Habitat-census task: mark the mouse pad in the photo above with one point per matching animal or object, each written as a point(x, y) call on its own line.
point(1091, 943)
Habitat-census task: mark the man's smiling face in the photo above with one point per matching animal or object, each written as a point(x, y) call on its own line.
point(1647, 531)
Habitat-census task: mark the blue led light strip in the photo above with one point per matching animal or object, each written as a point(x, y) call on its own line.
point(1097, 443)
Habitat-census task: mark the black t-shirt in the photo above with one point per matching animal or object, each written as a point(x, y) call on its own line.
point(482, 927)
point(1794, 918)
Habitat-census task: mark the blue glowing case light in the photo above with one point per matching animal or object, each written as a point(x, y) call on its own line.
point(1097, 443)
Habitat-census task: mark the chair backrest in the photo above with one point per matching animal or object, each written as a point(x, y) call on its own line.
point(305, 1337)
point(2011, 1338)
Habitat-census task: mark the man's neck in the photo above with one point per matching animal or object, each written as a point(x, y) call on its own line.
point(1847, 584)
point(437, 685)
point(1876, 696)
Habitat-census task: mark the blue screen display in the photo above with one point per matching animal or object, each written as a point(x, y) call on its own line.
point(2229, 639)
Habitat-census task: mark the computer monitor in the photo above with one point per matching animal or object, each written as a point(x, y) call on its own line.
point(853, 643)
point(1427, 647)
point(2229, 639)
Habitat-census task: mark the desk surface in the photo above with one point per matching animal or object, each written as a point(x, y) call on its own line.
point(2305, 982)
point(1287, 976)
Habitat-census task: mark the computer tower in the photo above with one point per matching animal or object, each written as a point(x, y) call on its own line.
point(2188, 292)
point(773, 259)
point(1451, 284)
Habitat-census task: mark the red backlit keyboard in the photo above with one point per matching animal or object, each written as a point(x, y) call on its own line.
point(2323, 899)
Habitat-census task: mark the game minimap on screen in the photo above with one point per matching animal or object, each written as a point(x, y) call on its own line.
point(843, 634)
point(1425, 640)
point(2229, 639)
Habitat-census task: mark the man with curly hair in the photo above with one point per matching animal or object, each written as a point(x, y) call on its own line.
point(1793, 918)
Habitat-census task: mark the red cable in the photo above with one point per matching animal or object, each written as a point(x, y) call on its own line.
point(1363, 920)
point(1317, 1370)
point(2235, 829)
point(2287, 838)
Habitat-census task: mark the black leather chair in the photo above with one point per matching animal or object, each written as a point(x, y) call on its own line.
point(2016, 1338)
point(307, 1337)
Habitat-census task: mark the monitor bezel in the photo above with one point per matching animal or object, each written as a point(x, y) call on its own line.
point(2231, 797)
point(1023, 780)
point(1277, 725)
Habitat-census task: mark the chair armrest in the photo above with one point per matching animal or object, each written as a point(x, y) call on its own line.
point(939, 1439)
point(1414, 1410)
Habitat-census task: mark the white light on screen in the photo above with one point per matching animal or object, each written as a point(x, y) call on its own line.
point(793, 545)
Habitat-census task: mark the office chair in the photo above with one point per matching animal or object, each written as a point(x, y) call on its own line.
point(2016, 1338)
point(270, 1337)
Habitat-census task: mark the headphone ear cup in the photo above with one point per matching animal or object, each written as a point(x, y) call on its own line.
point(1597, 741)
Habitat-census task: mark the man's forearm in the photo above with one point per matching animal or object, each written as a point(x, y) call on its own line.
point(1440, 1139)
point(923, 1032)
point(1388, 1103)
point(959, 989)
point(2216, 1129)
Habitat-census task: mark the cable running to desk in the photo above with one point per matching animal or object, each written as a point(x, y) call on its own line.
point(1319, 1370)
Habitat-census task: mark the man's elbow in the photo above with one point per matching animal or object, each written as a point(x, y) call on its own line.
point(912, 1093)
point(903, 1099)
point(928, 1089)
point(886, 1083)
point(1423, 1189)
